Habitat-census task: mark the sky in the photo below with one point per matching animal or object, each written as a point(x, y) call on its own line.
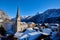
point(27, 7)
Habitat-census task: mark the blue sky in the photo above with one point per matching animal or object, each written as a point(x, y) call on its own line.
point(27, 7)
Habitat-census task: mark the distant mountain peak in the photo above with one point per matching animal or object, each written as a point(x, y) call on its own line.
point(3, 15)
point(52, 10)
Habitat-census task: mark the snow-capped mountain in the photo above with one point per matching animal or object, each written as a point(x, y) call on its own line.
point(3, 16)
point(23, 18)
point(49, 16)
point(53, 15)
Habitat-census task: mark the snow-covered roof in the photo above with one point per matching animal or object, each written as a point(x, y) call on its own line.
point(29, 28)
point(18, 34)
point(24, 36)
point(46, 30)
point(36, 28)
point(53, 27)
point(34, 33)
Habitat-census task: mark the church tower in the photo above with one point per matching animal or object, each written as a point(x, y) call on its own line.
point(17, 22)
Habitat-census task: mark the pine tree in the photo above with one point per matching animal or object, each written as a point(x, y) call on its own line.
point(2, 30)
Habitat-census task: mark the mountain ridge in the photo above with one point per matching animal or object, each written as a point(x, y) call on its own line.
point(41, 18)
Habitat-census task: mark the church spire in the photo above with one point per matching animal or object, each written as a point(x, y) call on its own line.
point(18, 12)
point(17, 22)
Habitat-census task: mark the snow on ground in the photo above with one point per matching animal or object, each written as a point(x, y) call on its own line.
point(46, 30)
point(8, 28)
point(29, 30)
point(33, 37)
point(53, 35)
point(25, 36)
point(53, 27)
point(29, 34)
point(18, 34)
point(34, 33)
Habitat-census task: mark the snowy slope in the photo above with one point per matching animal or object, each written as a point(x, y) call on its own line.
point(31, 34)
point(8, 28)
